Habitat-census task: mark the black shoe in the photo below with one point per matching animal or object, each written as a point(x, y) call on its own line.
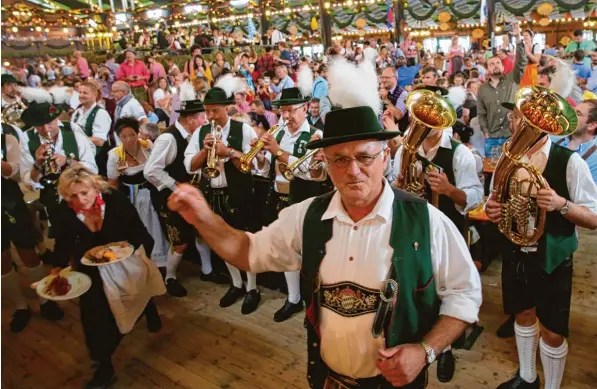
point(152, 317)
point(252, 299)
point(216, 278)
point(103, 378)
point(445, 366)
point(51, 311)
point(517, 382)
point(174, 288)
point(231, 296)
point(20, 319)
point(506, 330)
point(287, 311)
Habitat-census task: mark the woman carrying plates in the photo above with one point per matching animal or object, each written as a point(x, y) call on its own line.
point(121, 291)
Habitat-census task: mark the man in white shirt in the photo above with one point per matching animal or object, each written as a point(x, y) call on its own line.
point(537, 279)
point(74, 100)
point(351, 245)
point(126, 104)
point(285, 148)
point(165, 169)
point(226, 187)
point(95, 122)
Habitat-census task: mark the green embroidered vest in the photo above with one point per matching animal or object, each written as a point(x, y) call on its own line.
point(559, 241)
point(88, 127)
point(240, 184)
point(69, 142)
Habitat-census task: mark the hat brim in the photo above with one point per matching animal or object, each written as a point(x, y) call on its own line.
point(219, 102)
point(40, 120)
point(325, 142)
point(281, 103)
point(194, 110)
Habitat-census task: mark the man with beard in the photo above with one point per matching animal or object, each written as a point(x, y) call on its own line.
point(583, 140)
point(499, 88)
point(9, 90)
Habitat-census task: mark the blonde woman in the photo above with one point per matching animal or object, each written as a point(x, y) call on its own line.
point(94, 215)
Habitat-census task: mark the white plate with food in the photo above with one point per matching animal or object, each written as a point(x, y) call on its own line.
point(108, 254)
point(65, 285)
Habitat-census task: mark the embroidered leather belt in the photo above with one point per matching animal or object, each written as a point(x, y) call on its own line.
point(349, 299)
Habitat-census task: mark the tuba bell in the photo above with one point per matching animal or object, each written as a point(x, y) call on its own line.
point(428, 111)
point(247, 159)
point(211, 168)
point(11, 114)
point(544, 112)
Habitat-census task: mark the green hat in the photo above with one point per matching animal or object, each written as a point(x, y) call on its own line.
point(291, 96)
point(217, 96)
point(191, 106)
point(8, 79)
point(349, 125)
point(38, 114)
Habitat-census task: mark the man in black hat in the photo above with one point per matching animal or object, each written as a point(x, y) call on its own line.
point(165, 169)
point(537, 279)
point(9, 89)
point(229, 190)
point(287, 146)
point(46, 150)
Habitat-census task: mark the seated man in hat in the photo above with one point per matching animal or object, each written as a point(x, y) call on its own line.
point(388, 279)
point(227, 188)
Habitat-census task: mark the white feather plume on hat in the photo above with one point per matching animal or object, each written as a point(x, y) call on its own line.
point(38, 95)
point(370, 55)
point(230, 84)
point(61, 95)
point(456, 96)
point(187, 92)
point(563, 81)
point(305, 80)
point(353, 86)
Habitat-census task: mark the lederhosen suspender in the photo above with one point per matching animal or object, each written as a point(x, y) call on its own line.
point(587, 154)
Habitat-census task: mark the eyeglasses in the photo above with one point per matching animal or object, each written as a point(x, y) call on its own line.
point(364, 160)
point(292, 109)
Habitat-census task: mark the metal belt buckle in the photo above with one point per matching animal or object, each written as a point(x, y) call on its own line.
point(339, 383)
point(393, 288)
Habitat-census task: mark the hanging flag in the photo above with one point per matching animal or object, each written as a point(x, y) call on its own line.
point(390, 8)
point(483, 12)
point(251, 29)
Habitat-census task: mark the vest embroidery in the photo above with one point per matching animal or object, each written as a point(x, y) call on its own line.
point(349, 299)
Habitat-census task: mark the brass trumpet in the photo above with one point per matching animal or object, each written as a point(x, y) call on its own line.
point(211, 170)
point(247, 159)
point(428, 111)
point(288, 170)
point(543, 112)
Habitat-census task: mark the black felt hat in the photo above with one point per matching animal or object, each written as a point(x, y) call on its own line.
point(38, 114)
point(191, 106)
point(8, 79)
point(291, 96)
point(217, 96)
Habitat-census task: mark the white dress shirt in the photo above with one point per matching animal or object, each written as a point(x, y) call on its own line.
point(101, 125)
point(282, 185)
point(193, 149)
point(18, 131)
point(132, 109)
point(163, 154)
point(347, 345)
point(86, 157)
point(465, 171)
point(13, 156)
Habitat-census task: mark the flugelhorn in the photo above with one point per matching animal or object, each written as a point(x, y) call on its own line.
point(428, 111)
point(544, 112)
point(211, 168)
point(247, 159)
point(287, 170)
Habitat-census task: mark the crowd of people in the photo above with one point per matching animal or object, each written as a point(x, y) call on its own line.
point(211, 162)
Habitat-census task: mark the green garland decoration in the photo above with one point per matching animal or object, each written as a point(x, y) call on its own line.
point(307, 24)
point(342, 25)
point(570, 7)
point(421, 17)
point(517, 11)
point(373, 20)
point(18, 47)
point(465, 14)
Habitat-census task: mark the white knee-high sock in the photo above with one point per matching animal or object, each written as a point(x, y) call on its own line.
point(205, 254)
point(237, 279)
point(36, 274)
point(251, 281)
point(12, 289)
point(526, 342)
point(172, 263)
point(554, 362)
point(293, 280)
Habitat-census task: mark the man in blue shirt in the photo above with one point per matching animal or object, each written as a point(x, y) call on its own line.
point(592, 81)
point(583, 140)
point(580, 69)
point(320, 85)
point(406, 74)
point(284, 83)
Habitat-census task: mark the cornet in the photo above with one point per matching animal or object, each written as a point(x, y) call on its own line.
point(288, 170)
point(247, 159)
point(211, 170)
point(50, 171)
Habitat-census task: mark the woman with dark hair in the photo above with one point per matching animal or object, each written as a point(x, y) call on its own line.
point(125, 173)
point(200, 69)
point(162, 100)
point(120, 292)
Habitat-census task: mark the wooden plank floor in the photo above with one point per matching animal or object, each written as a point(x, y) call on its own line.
point(202, 346)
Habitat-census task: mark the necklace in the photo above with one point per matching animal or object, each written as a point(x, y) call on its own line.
point(133, 157)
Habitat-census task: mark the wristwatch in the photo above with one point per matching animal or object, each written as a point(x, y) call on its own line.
point(429, 351)
point(279, 153)
point(232, 152)
point(565, 208)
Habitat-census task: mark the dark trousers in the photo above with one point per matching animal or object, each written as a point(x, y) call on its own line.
point(339, 381)
point(162, 115)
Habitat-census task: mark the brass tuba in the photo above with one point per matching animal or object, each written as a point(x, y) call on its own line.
point(428, 111)
point(11, 114)
point(211, 168)
point(287, 170)
point(247, 159)
point(544, 112)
